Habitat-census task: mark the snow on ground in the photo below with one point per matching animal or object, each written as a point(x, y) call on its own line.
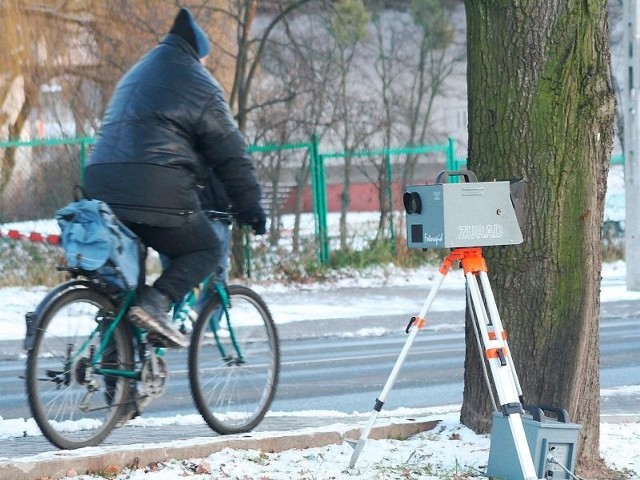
point(449, 451)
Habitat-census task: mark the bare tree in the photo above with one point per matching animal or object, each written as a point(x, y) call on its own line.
point(27, 63)
point(414, 53)
point(390, 38)
point(296, 61)
point(247, 53)
point(348, 28)
point(431, 67)
point(41, 50)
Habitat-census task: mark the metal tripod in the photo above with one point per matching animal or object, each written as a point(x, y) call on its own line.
point(489, 333)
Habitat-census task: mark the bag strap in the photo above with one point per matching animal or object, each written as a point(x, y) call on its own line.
point(79, 193)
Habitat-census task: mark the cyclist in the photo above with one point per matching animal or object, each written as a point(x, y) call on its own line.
point(167, 123)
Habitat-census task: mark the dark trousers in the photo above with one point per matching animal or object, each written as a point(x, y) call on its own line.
point(193, 250)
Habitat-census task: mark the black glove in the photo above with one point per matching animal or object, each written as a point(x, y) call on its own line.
point(255, 218)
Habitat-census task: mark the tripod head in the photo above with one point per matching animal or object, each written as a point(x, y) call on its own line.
point(466, 214)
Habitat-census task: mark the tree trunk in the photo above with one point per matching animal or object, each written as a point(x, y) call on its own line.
point(541, 108)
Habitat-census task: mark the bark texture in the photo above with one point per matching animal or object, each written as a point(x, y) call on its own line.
point(541, 108)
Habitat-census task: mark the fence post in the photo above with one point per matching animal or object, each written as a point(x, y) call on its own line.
point(392, 233)
point(318, 195)
point(324, 230)
point(83, 158)
point(451, 160)
point(313, 160)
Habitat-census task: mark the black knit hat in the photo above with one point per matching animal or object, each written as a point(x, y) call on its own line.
point(186, 27)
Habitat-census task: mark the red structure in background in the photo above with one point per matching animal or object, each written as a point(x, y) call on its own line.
point(34, 237)
point(365, 197)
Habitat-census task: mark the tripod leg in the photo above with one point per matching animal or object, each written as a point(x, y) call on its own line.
point(497, 322)
point(502, 370)
point(416, 325)
point(474, 324)
point(383, 396)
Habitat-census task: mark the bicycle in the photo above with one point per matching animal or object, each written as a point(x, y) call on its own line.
point(88, 369)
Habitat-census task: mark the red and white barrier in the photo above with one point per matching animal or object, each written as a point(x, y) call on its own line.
point(34, 237)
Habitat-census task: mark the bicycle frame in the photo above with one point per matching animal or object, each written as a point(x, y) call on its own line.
point(181, 313)
point(96, 356)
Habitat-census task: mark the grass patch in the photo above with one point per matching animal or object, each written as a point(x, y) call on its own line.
point(418, 467)
point(277, 263)
point(382, 252)
point(25, 264)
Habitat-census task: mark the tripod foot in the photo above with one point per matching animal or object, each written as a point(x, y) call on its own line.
point(357, 449)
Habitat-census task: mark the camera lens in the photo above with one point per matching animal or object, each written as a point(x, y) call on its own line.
point(412, 202)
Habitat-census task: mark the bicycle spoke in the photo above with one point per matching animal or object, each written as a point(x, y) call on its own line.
point(73, 405)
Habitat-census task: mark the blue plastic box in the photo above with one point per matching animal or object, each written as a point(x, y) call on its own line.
point(556, 436)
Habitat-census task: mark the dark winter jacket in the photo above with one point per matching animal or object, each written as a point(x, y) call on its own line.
point(167, 122)
point(213, 195)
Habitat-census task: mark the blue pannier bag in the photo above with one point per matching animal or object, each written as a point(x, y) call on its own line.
point(94, 240)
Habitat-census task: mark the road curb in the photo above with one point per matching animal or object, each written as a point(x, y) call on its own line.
point(60, 464)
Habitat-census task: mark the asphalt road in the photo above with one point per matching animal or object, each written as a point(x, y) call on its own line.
point(326, 365)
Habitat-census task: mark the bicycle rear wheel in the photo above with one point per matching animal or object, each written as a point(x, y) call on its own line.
point(73, 405)
point(234, 363)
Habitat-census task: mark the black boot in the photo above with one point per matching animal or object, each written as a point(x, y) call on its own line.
point(151, 314)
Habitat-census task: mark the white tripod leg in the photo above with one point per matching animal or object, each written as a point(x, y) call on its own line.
point(497, 322)
point(502, 370)
point(416, 325)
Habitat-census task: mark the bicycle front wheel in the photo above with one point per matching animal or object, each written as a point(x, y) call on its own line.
point(234, 362)
point(73, 404)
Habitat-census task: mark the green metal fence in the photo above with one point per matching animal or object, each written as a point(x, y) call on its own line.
point(318, 179)
point(37, 176)
point(76, 151)
point(83, 142)
point(387, 153)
